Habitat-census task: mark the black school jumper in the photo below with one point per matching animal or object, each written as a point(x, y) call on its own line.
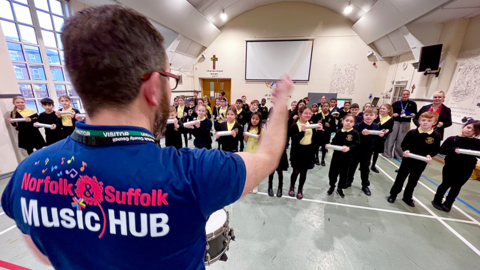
point(184, 119)
point(52, 136)
point(379, 145)
point(242, 120)
point(458, 167)
point(229, 143)
point(363, 155)
point(315, 119)
point(264, 111)
point(67, 131)
point(422, 144)
point(327, 134)
point(202, 134)
point(29, 137)
point(341, 161)
point(173, 135)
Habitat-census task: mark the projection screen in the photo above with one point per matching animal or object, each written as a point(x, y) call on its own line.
point(268, 60)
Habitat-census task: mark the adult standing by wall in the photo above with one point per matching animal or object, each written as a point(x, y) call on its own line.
point(120, 70)
point(403, 112)
point(444, 113)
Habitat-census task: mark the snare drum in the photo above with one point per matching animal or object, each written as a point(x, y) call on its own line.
point(219, 235)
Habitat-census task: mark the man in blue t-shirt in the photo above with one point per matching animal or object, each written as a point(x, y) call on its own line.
point(108, 197)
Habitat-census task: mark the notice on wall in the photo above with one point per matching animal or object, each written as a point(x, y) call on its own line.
point(343, 79)
point(464, 93)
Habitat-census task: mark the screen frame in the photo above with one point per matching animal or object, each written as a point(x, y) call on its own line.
point(278, 40)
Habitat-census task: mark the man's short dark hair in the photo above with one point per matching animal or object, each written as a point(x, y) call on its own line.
point(47, 101)
point(333, 99)
point(108, 49)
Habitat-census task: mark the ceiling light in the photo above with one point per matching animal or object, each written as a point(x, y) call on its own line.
point(223, 15)
point(349, 8)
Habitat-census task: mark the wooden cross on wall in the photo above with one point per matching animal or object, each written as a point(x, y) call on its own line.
point(214, 59)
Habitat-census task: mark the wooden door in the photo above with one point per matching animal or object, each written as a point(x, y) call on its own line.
point(212, 88)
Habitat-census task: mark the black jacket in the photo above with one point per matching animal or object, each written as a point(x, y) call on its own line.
point(445, 117)
point(202, 134)
point(229, 143)
point(411, 107)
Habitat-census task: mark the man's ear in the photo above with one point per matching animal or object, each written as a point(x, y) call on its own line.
point(151, 88)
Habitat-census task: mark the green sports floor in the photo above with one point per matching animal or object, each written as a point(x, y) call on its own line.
point(328, 232)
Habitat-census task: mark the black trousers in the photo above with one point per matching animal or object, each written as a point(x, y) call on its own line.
point(280, 178)
point(454, 177)
point(413, 169)
point(362, 157)
point(185, 137)
point(339, 167)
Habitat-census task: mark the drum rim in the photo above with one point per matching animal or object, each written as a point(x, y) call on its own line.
point(220, 230)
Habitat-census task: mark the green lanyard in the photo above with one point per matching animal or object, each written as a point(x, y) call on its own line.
point(106, 137)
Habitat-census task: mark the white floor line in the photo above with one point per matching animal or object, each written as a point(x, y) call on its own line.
point(11, 228)
point(465, 241)
point(359, 207)
point(2, 213)
point(431, 190)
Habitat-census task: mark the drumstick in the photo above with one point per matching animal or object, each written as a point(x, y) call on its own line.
point(191, 123)
point(251, 135)
point(374, 132)
point(335, 147)
point(417, 157)
point(170, 121)
point(224, 133)
point(83, 115)
point(66, 112)
point(44, 125)
point(469, 152)
point(18, 120)
point(312, 126)
point(406, 116)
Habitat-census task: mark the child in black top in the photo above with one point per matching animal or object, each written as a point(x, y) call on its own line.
point(48, 117)
point(264, 110)
point(385, 122)
point(201, 130)
point(365, 151)
point(343, 112)
point(329, 127)
point(207, 113)
point(458, 167)
point(173, 132)
point(192, 115)
point(245, 106)
point(302, 150)
point(66, 122)
point(242, 120)
point(354, 109)
point(423, 141)
point(29, 137)
point(230, 143)
point(253, 109)
point(350, 140)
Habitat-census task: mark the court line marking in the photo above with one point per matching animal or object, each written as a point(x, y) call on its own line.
point(11, 228)
point(454, 206)
point(465, 241)
point(374, 209)
point(2, 213)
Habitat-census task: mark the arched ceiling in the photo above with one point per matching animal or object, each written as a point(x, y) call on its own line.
point(212, 9)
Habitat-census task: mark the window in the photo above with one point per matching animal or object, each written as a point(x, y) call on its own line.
point(36, 74)
point(13, 56)
point(18, 73)
point(32, 29)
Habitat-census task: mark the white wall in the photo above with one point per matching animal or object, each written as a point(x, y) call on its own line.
point(458, 36)
point(334, 43)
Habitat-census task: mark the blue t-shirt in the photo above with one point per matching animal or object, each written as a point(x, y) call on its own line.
point(121, 206)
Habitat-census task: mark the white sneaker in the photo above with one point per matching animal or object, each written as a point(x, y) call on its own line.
point(255, 190)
